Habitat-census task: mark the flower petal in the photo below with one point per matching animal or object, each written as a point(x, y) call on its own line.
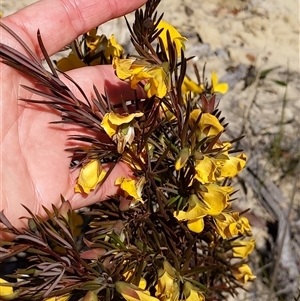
point(233, 166)
point(196, 225)
point(175, 36)
point(90, 175)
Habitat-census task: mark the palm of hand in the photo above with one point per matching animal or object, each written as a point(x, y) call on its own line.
point(35, 167)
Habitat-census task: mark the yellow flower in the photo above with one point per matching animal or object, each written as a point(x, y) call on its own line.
point(156, 83)
point(111, 121)
point(124, 68)
point(175, 36)
point(69, 63)
point(242, 248)
point(182, 158)
point(222, 223)
point(205, 170)
point(208, 126)
point(217, 87)
point(215, 198)
point(142, 283)
point(90, 175)
point(240, 226)
point(210, 202)
point(131, 292)
point(233, 165)
point(58, 298)
point(167, 287)
point(231, 224)
point(6, 291)
point(213, 202)
point(113, 49)
point(120, 128)
point(93, 41)
point(195, 210)
point(189, 85)
point(154, 77)
point(243, 273)
point(132, 189)
point(95, 44)
point(191, 293)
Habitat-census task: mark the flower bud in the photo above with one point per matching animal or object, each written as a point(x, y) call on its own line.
point(182, 158)
point(192, 293)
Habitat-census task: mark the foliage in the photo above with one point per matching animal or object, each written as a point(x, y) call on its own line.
point(170, 233)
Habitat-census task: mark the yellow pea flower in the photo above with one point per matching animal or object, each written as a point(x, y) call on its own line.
point(131, 292)
point(93, 40)
point(215, 198)
point(6, 291)
point(196, 225)
point(175, 36)
point(120, 128)
point(124, 68)
point(241, 225)
point(113, 49)
point(90, 175)
point(155, 77)
point(95, 44)
point(205, 170)
point(142, 283)
point(233, 166)
point(156, 84)
point(192, 293)
point(213, 201)
point(165, 284)
point(231, 224)
point(243, 273)
point(216, 86)
point(189, 85)
point(132, 189)
point(111, 121)
point(208, 126)
point(72, 61)
point(222, 221)
point(195, 210)
point(242, 248)
point(194, 214)
point(167, 287)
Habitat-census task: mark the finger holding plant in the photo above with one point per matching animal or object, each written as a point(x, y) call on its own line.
point(170, 232)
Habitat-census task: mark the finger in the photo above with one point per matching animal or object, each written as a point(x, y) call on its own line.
point(61, 21)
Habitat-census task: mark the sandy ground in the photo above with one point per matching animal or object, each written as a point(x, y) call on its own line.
point(240, 39)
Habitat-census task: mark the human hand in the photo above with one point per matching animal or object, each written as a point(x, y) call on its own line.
point(35, 167)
